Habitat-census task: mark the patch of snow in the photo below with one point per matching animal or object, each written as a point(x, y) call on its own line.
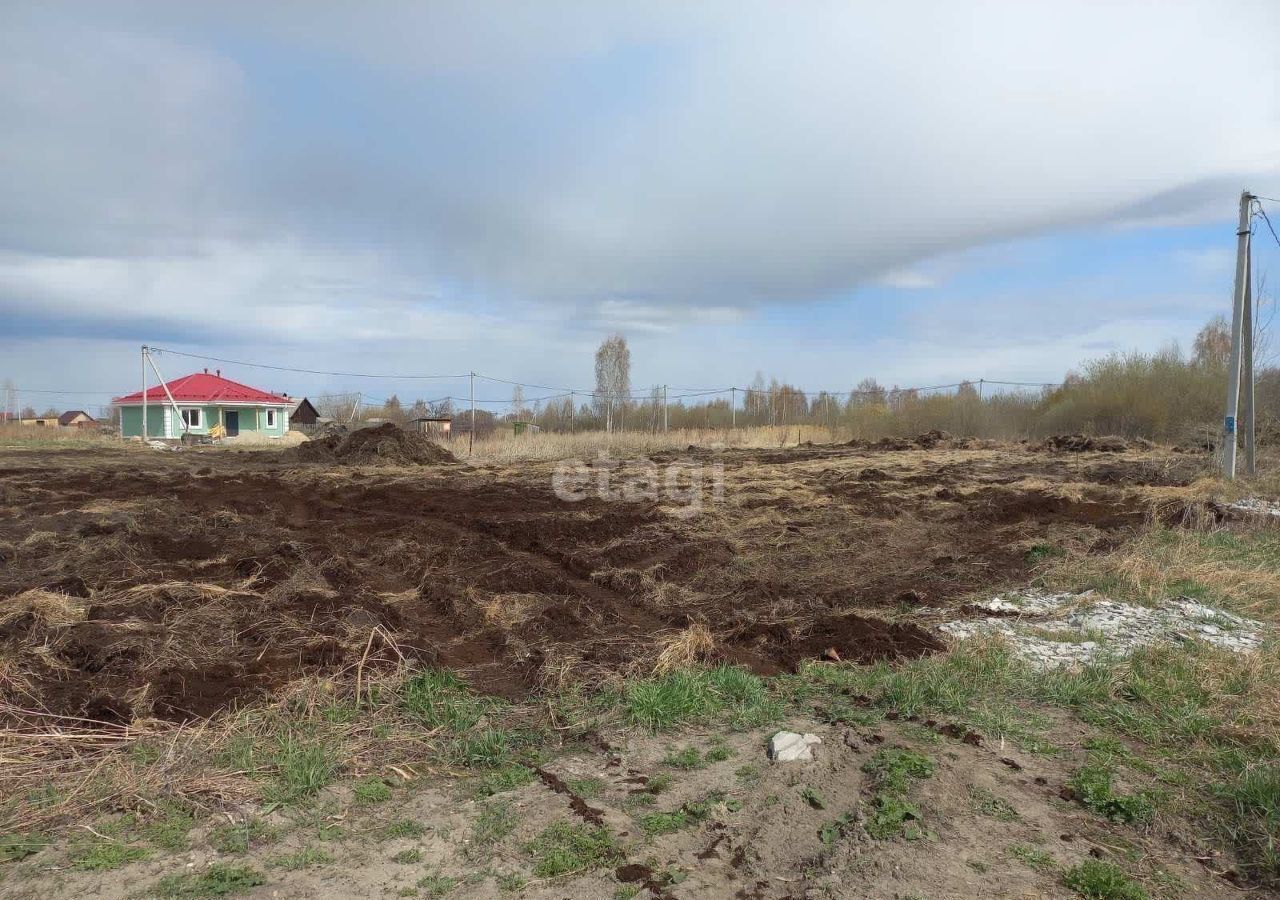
point(1052, 630)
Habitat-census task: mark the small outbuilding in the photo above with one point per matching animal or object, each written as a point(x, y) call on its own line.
point(437, 427)
point(304, 413)
point(77, 418)
point(201, 402)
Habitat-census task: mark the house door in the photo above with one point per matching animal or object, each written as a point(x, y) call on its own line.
point(231, 421)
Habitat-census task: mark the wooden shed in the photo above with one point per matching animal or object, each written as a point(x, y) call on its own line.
point(304, 413)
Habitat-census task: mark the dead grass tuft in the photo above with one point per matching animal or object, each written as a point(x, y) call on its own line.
point(43, 609)
point(685, 649)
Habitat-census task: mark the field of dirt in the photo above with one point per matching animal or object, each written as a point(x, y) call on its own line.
point(139, 584)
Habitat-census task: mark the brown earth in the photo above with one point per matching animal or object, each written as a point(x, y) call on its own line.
point(139, 584)
point(387, 445)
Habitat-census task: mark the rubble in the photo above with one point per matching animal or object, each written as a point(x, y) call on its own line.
point(1051, 630)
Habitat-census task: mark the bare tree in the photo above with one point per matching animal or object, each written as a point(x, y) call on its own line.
point(1212, 346)
point(517, 402)
point(613, 377)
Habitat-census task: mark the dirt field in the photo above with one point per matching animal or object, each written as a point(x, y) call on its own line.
point(190, 582)
point(147, 586)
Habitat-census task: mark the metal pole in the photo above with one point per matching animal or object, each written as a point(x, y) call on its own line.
point(665, 425)
point(471, 440)
point(160, 377)
point(1237, 322)
point(144, 393)
point(1246, 366)
point(733, 405)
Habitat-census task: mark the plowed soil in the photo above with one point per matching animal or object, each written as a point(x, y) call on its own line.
point(137, 584)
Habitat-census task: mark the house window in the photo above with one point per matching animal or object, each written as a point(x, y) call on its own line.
point(191, 417)
point(271, 418)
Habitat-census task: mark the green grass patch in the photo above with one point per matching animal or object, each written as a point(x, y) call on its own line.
point(659, 823)
point(167, 829)
point(102, 856)
point(14, 847)
point(565, 849)
point(1102, 881)
point(659, 784)
point(892, 772)
point(1032, 857)
point(503, 779)
point(993, 807)
point(216, 881)
point(371, 790)
point(587, 788)
point(496, 821)
point(403, 828)
point(831, 832)
point(239, 838)
point(407, 857)
point(724, 693)
point(303, 766)
point(1093, 785)
point(689, 758)
point(439, 699)
point(810, 795)
point(433, 884)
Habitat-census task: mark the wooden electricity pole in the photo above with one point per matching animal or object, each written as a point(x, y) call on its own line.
point(1240, 299)
point(471, 438)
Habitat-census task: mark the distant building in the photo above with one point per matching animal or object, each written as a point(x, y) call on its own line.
point(204, 401)
point(304, 413)
point(77, 418)
point(438, 427)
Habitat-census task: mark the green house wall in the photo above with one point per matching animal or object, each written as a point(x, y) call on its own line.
point(252, 419)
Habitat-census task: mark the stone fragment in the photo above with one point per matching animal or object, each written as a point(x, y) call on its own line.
point(788, 746)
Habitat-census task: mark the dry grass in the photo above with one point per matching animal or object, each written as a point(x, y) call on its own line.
point(502, 447)
point(685, 649)
point(35, 436)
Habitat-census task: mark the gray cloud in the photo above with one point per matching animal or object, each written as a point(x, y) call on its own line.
point(420, 168)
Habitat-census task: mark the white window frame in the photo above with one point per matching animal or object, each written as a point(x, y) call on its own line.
point(199, 423)
point(273, 417)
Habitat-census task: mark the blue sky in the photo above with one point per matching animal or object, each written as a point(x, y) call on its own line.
point(821, 192)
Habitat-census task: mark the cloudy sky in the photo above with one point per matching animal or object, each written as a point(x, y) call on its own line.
point(919, 191)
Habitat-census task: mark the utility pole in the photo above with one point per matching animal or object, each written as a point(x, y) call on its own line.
point(664, 410)
point(144, 393)
point(1246, 367)
point(471, 438)
point(733, 405)
point(1237, 325)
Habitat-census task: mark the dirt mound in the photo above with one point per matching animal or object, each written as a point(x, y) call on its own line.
point(386, 444)
point(1079, 443)
point(926, 441)
point(835, 638)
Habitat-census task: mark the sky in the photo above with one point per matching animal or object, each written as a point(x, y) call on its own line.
point(920, 192)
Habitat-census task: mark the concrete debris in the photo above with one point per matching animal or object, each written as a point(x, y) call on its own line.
point(1256, 506)
point(787, 746)
point(1053, 630)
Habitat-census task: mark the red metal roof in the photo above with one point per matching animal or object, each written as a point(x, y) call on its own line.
point(201, 387)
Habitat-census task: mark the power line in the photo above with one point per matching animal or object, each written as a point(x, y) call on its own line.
point(1266, 218)
point(236, 362)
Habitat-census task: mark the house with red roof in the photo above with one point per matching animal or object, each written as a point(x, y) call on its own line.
point(196, 404)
